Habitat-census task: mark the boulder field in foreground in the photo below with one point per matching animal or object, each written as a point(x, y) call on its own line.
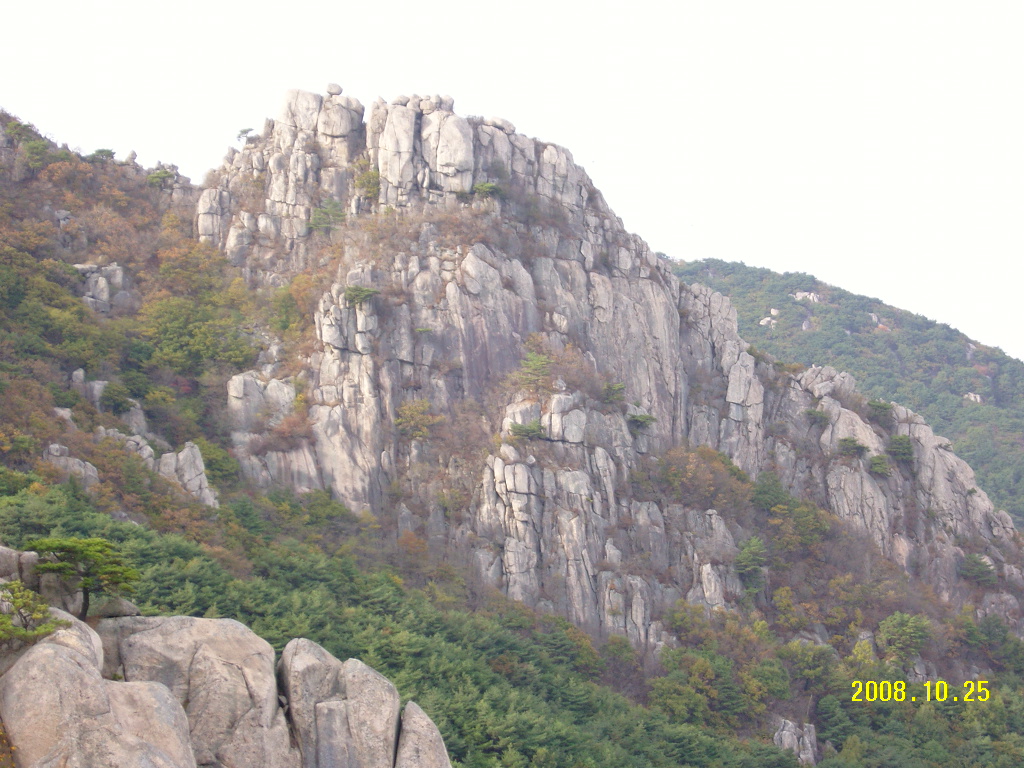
point(181, 692)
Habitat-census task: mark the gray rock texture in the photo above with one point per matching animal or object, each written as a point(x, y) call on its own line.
point(108, 289)
point(186, 468)
point(59, 456)
point(420, 744)
point(220, 673)
point(58, 710)
point(342, 713)
point(180, 692)
point(803, 742)
point(464, 280)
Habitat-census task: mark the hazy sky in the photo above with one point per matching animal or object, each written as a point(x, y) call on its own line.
point(877, 145)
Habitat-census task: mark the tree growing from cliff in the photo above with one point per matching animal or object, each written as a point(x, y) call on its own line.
point(92, 565)
point(749, 562)
point(414, 419)
point(975, 568)
point(328, 216)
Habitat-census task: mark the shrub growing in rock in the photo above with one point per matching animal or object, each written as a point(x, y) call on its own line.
point(488, 189)
point(975, 568)
point(901, 448)
point(368, 182)
point(159, 177)
point(848, 446)
point(357, 294)
point(638, 422)
point(534, 372)
point(530, 431)
point(879, 465)
point(880, 412)
point(816, 417)
point(613, 393)
point(415, 419)
point(327, 216)
point(115, 398)
point(26, 617)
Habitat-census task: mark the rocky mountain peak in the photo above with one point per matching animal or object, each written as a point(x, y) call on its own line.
point(411, 152)
point(467, 248)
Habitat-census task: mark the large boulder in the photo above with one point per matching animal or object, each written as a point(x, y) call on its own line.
point(420, 744)
point(342, 713)
point(59, 711)
point(220, 672)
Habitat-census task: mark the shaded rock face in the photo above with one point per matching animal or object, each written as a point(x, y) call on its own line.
point(186, 468)
point(59, 456)
point(420, 744)
point(556, 528)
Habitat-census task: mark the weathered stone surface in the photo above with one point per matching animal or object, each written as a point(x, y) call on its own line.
point(58, 710)
point(197, 692)
point(372, 709)
point(420, 744)
point(108, 288)
point(115, 607)
point(10, 569)
point(338, 710)
point(801, 741)
point(220, 672)
point(186, 468)
point(543, 530)
point(59, 456)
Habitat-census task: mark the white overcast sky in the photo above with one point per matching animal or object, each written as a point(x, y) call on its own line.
point(876, 145)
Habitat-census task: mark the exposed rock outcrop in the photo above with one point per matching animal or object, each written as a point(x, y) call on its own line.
point(177, 692)
point(222, 675)
point(803, 742)
point(445, 318)
point(108, 289)
point(58, 710)
point(343, 713)
point(420, 744)
point(59, 456)
point(203, 692)
point(185, 467)
point(180, 692)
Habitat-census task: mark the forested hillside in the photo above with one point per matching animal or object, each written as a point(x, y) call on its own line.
point(970, 393)
point(818, 605)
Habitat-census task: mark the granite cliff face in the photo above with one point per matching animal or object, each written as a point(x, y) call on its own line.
point(474, 242)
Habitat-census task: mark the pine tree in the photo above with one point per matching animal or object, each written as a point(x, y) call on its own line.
point(94, 563)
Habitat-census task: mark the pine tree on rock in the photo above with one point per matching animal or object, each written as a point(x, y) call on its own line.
point(95, 563)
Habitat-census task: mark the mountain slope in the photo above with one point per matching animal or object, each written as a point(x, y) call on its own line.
point(971, 393)
point(425, 341)
point(481, 282)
